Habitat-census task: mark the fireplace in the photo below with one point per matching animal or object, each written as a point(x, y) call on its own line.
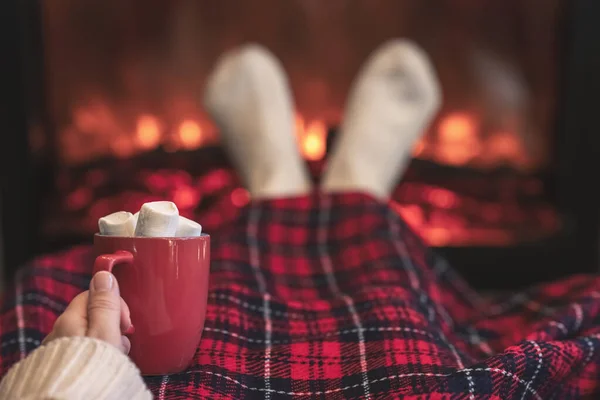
point(106, 115)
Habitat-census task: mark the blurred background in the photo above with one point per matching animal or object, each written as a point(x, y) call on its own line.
point(103, 113)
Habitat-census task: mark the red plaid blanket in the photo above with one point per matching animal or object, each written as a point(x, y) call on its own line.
point(335, 297)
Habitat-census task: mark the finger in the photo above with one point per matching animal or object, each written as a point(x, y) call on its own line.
point(73, 321)
point(78, 305)
point(104, 309)
point(126, 324)
point(126, 344)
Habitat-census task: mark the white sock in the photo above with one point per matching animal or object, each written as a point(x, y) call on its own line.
point(249, 98)
point(391, 103)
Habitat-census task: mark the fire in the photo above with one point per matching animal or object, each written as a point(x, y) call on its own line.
point(312, 138)
point(190, 134)
point(457, 127)
point(148, 132)
point(458, 141)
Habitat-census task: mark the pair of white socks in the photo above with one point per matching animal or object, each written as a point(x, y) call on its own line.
point(392, 101)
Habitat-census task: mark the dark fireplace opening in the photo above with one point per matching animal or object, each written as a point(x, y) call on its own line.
point(111, 118)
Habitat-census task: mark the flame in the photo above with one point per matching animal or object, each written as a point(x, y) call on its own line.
point(458, 142)
point(190, 134)
point(457, 127)
point(148, 132)
point(312, 138)
point(460, 139)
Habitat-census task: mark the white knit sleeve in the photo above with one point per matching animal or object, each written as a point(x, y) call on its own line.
point(74, 368)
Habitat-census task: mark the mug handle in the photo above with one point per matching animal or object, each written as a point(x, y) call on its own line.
point(106, 262)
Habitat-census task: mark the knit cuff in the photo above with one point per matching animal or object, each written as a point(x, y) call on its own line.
point(74, 368)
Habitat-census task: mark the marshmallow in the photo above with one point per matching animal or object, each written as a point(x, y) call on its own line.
point(157, 219)
point(117, 224)
point(188, 228)
point(135, 217)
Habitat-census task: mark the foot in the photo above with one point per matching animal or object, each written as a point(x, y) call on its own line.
point(393, 100)
point(248, 96)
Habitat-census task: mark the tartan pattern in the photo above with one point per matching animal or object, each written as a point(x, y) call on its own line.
point(333, 296)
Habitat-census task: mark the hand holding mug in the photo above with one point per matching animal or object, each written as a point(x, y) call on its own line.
point(99, 313)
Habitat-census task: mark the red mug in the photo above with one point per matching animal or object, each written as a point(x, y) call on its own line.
point(164, 281)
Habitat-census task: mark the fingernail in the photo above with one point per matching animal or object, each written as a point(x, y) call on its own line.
point(130, 330)
point(102, 281)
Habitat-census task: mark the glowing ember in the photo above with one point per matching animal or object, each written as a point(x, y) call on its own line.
point(190, 134)
point(148, 132)
point(443, 216)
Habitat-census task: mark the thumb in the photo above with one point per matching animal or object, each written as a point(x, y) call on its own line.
point(104, 309)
